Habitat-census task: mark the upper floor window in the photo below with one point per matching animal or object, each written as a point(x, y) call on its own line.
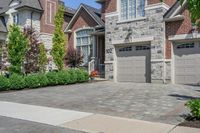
point(131, 9)
point(84, 43)
point(50, 12)
point(16, 18)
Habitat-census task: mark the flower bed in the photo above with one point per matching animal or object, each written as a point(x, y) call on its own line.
point(18, 82)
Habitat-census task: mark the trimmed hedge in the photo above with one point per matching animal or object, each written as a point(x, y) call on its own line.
point(4, 83)
point(18, 82)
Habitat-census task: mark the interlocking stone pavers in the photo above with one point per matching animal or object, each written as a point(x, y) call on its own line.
point(151, 102)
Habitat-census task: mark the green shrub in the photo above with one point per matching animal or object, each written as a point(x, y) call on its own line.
point(17, 82)
point(73, 76)
point(43, 80)
point(52, 78)
point(4, 83)
point(32, 81)
point(194, 106)
point(80, 75)
point(63, 77)
point(86, 75)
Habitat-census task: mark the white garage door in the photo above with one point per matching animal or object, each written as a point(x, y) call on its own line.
point(133, 64)
point(187, 63)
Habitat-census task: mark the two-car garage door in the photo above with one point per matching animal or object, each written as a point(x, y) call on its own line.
point(133, 63)
point(187, 63)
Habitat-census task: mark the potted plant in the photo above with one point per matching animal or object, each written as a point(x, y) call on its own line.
point(93, 74)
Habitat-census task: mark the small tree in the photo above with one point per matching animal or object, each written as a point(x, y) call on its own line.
point(17, 47)
point(42, 58)
point(74, 57)
point(194, 9)
point(33, 50)
point(58, 50)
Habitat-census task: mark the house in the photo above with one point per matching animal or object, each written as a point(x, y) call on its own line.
point(182, 46)
point(38, 14)
point(86, 32)
point(150, 41)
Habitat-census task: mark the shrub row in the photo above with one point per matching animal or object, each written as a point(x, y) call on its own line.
point(17, 82)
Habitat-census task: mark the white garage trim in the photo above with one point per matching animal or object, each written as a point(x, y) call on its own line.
point(185, 37)
point(133, 41)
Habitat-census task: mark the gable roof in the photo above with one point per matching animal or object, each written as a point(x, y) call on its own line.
point(35, 4)
point(4, 5)
point(93, 12)
point(174, 12)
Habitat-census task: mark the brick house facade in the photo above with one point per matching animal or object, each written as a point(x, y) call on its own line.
point(38, 14)
point(148, 36)
point(86, 33)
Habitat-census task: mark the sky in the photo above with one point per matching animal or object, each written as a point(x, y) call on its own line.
point(75, 3)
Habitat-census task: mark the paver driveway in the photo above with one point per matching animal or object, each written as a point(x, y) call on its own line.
point(151, 102)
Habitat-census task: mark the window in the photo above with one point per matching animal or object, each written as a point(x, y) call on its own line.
point(131, 9)
point(50, 12)
point(142, 48)
point(84, 43)
point(185, 45)
point(125, 49)
point(16, 18)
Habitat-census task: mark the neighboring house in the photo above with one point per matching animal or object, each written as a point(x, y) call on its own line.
point(182, 46)
point(139, 45)
point(38, 14)
point(86, 34)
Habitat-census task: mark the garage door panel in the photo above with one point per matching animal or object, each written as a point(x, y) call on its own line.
point(187, 64)
point(132, 66)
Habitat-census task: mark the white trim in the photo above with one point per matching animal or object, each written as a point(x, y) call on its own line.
point(134, 40)
point(108, 62)
point(172, 64)
point(160, 60)
point(194, 36)
point(111, 14)
point(179, 9)
point(158, 5)
point(43, 33)
point(131, 20)
point(73, 19)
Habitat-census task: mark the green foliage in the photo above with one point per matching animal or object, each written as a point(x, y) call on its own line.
point(17, 82)
point(42, 58)
point(80, 75)
point(194, 9)
point(52, 78)
point(194, 106)
point(32, 81)
point(73, 76)
point(17, 47)
point(43, 80)
point(63, 77)
point(58, 50)
point(4, 83)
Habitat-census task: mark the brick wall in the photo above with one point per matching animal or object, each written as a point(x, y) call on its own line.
point(84, 20)
point(168, 2)
point(177, 28)
point(47, 23)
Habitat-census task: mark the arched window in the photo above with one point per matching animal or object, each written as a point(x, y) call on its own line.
point(84, 43)
point(131, 9)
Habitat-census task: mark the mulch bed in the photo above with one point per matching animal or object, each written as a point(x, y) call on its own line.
point(193, 124)
point(190, 122)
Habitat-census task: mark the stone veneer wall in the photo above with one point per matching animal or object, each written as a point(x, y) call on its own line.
point(152, 25)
